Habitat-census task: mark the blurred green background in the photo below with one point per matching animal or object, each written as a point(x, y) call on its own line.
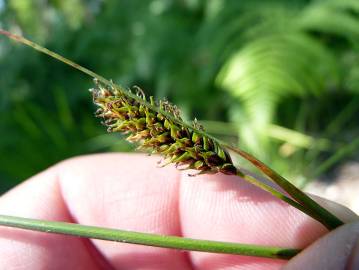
point(278, 78)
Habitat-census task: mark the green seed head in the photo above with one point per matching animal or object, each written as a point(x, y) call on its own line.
point(158, 134)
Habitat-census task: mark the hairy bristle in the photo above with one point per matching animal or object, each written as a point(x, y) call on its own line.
point(157, 133)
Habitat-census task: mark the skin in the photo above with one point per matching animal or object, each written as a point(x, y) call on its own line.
point(130, 192)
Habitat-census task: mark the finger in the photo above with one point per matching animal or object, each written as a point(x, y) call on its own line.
point(93, 196)
point(127, 192)
point(41, 198)
point(226, 208)
point(338, 250)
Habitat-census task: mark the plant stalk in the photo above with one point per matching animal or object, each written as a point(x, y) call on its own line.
point(273, 191)
point(318, 212)
point(279, 195)
point(147, 239)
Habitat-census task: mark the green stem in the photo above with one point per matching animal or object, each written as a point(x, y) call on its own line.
point(104, 81)
point(279, 195)
point(147, 238)
point(272, 191)
point(312, 208)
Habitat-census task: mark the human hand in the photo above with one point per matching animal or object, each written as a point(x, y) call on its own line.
point(128, 192)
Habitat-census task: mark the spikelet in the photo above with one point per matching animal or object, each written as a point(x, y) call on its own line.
point(157, 133)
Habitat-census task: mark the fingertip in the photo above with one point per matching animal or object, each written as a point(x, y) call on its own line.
point(337, 250)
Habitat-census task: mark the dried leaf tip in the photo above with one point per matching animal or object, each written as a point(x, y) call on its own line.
point(155, 132)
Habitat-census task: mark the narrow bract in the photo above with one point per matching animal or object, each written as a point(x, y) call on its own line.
point(157, 133)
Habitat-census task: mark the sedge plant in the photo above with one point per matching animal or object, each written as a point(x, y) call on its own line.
point(157, 127)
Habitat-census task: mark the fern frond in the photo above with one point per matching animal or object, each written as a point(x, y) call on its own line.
point(273, 67)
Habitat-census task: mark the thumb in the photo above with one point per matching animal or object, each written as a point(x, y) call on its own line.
point(337, 250)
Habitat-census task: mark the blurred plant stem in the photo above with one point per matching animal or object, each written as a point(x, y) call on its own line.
point(337, 156)
point(273, 131)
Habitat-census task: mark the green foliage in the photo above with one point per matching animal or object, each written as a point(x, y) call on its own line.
point(288, 64)
point(305, 52)
point(269, 69)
